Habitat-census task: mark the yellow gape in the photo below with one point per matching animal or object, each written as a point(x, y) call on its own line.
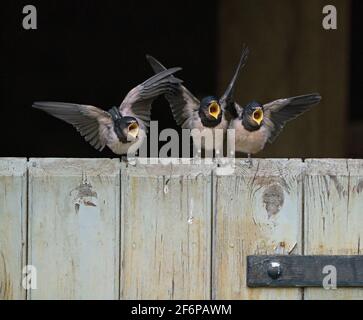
point(133, 129)
point(214, 109)
point(258, 116)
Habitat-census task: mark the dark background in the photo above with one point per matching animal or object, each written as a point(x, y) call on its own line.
point(92, 52)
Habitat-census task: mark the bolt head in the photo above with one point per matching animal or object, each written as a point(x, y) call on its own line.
point(274, 270)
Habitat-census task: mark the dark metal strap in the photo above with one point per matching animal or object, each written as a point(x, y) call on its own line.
point(304, 271)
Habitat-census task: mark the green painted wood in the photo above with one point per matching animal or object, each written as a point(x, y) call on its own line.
point(74, 228)
point(257, 210)
point(186, 230)
point(166, 231)
point(333, 215)
point(13, 188)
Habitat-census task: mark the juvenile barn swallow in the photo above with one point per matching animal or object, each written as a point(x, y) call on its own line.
point(258, 123)
point(208, 114)
point(118, 128)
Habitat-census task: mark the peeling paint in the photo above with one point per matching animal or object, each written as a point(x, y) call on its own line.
point(166, 188)
point(359, 187)
point(293, 248)
point(338, 186)
point(280, 248)
point(273, 199)
point(358, 250)
point(85, 190)
point(191, 218)
point(85, 195)
point(89, 204)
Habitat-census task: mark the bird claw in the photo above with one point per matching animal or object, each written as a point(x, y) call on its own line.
point(197, 157)
point(196, 160)
point(249, 161)
point(217, 158)
point(128, 161)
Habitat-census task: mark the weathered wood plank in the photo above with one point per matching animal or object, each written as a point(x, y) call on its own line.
point(166, 227)
point(74, 228)
point(13, 182)
point(333, 215)
point(257, 210)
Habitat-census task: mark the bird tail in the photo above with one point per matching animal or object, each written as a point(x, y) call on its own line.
point(228, 94)
point(155, 64)
point(161, 83)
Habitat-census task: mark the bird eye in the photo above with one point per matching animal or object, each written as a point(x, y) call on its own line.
point(258, 116)
point(214, 109)
point(133, 129)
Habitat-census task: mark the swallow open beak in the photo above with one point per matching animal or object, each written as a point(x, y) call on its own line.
point(133, 130)
point(257, 116)
point(214, 109)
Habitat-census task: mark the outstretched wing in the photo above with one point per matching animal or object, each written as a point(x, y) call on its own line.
point(182, 102)
point(278, 112)
point(92, 123)
point(227, 101)
point(138, 101)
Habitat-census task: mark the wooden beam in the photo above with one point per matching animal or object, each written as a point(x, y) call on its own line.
point(74, 226)
point(257, 210)
point(166, 231)
point(333, 215)
point(13, 239)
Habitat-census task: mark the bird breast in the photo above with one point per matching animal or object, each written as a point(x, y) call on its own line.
point(249, 141)
point(119, 147)
point(198, 134)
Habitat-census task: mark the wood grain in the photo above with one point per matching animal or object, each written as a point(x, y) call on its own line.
point(333, 215)
point(13, 182)
point(186, 230)
point(166, 229)
point(74, 228)
point(257, 210)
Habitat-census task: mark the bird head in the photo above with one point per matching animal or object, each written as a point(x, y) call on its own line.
point(210, 111)
point(127, 129)
point(252, 116)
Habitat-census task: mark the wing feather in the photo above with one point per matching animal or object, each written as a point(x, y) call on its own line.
point(183, 103)
point(138, 101)
point(278, 112)
point(91, 122)
point(227, 100)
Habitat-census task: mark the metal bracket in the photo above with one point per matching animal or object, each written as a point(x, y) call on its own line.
point(304, 271)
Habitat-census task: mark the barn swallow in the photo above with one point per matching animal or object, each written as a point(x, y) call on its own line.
point(208, 114)
point(258, 123)
point(119, 128)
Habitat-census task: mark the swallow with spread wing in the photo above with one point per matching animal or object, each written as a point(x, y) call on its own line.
point(256, 124)
point(123, 129)
point(206, 115)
